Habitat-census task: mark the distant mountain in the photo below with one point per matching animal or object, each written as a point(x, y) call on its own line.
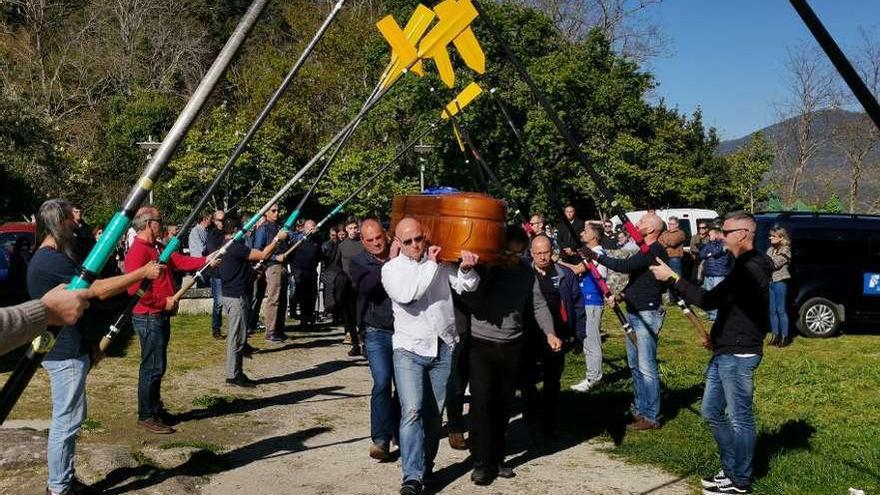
point(827, 172)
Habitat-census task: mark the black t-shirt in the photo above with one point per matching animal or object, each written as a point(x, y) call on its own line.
point(47, 269)
point(234, 271)
point(549, 284)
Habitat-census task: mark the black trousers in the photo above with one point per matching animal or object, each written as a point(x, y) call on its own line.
point(458, 381)
point(495, 368)
point(350, 313)
point(542, 365)
point(257, 301)
point(306, 293)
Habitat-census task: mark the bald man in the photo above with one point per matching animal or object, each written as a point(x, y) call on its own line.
point(561, 289)
point(643, 295)
point(420, 288)
point(736, 341)
point(378, 321)
point(151, 316)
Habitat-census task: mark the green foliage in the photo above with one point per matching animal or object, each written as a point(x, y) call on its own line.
point(31, 160)
point(748, 167)
point(648, 155)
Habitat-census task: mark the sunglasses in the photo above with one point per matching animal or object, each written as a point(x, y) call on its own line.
point(728, 232)
point(417, 239)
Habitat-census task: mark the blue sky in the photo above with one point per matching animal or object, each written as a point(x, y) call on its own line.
point(728, 56)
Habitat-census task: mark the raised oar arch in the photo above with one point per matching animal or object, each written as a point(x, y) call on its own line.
point(174, 243)
point(120, 222)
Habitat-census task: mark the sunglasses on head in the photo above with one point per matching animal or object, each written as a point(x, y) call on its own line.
point(417, 239)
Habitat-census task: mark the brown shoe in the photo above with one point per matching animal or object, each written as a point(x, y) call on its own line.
point(457, 441)
point(643, 424)
point(154, 425)
point(380, 451)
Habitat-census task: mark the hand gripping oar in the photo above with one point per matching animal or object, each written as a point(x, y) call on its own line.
point(589, 265)
point(114, 231)
point(400, 154)
point(403, 62)
point(615, 207)
point(174, 242)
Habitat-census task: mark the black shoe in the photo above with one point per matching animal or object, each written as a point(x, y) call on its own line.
point(506, 472)
point(774, 341)
point(241, 381)
point(785, 342)
point(727, 490)
point(411, 487)
point(355, 351)
point(482, 477)
point(217, 335)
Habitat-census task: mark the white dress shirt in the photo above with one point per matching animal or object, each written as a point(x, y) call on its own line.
point(421, 301)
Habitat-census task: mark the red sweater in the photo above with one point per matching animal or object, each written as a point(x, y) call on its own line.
point(154, 300)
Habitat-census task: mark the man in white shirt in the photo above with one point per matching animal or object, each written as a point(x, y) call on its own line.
point(424, 334)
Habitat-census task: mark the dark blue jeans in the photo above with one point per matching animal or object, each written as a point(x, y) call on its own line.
point(384, 405)
point(778, 316)
point(728, 409)
point(154, 332)
point(217, 310)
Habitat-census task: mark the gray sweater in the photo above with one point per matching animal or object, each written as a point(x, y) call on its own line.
point(502, 298)
point(20, 324)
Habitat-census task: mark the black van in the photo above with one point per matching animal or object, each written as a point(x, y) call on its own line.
point(835, 268)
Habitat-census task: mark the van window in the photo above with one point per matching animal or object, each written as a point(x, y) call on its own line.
point(823, 246)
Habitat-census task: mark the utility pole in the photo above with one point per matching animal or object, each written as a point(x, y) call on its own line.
point(150, 147)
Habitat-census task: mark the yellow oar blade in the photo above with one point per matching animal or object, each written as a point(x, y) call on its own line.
point(400, 47)
point(458, 138)
point(461, 100)
point(471, 51)
point(455, 16)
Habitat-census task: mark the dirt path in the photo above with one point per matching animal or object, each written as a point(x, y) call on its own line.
point(322, 446)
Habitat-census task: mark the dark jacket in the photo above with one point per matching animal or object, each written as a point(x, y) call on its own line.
point(742, 300)
point(643, 292)
point(215, 241)
point(573, 301)
point(566, 240)
point(366, 275)
point(716, 260)
point(306, 256)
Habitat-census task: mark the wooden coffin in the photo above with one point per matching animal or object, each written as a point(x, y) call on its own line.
point(467, 221)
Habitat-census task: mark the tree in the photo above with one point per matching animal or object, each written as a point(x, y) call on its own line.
point(812, 88)
point(748, 168)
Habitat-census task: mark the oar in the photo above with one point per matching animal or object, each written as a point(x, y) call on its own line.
point(114, 230)
point(174, 242)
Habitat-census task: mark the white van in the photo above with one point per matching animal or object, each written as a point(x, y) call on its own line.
point(687, 217)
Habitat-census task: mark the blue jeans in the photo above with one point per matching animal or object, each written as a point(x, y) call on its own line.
point(642, 361)
point(709, 283)
point(727, 407)
point(384, 406)
point(778, 315)
point(420, 408)
point(154, 332)
point(217, 309)
point(67, 378)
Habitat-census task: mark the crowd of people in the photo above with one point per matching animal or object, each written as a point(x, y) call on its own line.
point(431, 330)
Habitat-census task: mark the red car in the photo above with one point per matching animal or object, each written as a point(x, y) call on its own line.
point(9, 235)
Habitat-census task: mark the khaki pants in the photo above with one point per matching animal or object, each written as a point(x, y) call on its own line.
point(276, 299)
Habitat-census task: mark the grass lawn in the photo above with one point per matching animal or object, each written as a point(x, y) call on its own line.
point(193, 386)
point(818, 403)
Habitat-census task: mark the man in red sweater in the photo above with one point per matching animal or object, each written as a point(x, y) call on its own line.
point(151, 317)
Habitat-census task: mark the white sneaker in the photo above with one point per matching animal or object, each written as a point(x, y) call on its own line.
point(582, 387)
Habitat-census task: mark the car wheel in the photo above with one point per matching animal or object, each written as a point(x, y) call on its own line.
point(819, 318)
